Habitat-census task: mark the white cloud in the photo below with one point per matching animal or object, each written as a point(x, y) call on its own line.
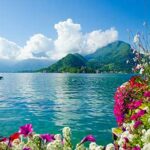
point(8, 49)
point(70, 39)
point(38, 46)
point(99, 38)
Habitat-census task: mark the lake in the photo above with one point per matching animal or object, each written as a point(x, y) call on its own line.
point(50, 102)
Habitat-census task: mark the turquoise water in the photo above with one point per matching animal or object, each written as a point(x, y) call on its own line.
point(83, 102)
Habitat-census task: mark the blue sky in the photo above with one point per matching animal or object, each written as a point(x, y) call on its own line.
point(20, 19)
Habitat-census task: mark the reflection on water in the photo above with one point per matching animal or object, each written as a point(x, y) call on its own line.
point(51, 101)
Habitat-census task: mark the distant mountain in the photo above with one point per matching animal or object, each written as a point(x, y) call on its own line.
point(31, 64)
point(111, 58)
point(27, 65)
point(6, 65)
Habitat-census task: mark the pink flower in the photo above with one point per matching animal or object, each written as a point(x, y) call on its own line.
point(134, 117)
point(89, 138)
point(141, 113)
point(138, 115)
point(147, 94)
point(136, 148)
point(137, 103)
point(26, 130)
point(120, 120)
point(47, 137)
point(26, 148)
point(134, 104)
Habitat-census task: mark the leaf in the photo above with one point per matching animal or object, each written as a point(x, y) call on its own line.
point(117, 131)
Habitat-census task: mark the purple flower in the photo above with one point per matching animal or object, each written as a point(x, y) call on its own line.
point(89, 138)
point(47, 137)
point(26, 148)
point(26, 130)
point(137, 123)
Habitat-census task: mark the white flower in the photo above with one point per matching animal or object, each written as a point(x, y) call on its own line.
point(141, 71)
point(124, 84)
point(131, 136)
point(80, 147)
point(143, 131)
point(124, 135)
point(36, 136)
point(58, 144)
point(121, 141)
point(99, 148)
point(110, 147)
point(50, 146)
point(55, 145)
point(146, 108)
point(146, 147)
point(92, 146)
point(146, 137)
point(16, 142)
point(136, 39)
point(66, 131)
point(120, 148)
point(58, 137)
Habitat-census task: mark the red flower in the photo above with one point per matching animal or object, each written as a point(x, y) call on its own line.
point(136, 81)
point(14, 136)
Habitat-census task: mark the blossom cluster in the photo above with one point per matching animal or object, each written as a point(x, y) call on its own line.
point(132, 112)
point(27, 139)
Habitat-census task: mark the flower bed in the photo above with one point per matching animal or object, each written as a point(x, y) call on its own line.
point(132, 112)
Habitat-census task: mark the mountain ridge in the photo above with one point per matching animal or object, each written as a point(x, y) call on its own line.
point(110, 58)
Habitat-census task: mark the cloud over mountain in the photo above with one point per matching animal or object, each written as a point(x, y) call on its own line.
point(70, 39)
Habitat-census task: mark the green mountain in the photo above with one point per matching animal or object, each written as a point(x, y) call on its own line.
point(111, 58)
point(70, 63)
